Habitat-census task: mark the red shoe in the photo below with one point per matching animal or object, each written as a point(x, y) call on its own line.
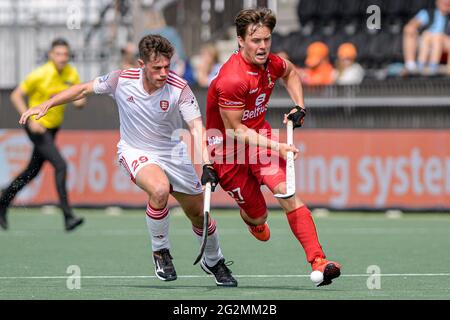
point(329, 269)
point(261, 232)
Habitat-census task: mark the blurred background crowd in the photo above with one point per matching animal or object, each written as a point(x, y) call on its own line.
point(331, 42)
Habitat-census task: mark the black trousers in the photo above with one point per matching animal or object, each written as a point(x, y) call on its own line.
point(44, 150)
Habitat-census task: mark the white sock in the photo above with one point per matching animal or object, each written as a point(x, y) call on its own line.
point(158, 227)
point(411, 65)
point(212, 250)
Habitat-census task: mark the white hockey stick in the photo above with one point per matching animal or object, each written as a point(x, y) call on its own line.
point(290, 169)
point(206, 208)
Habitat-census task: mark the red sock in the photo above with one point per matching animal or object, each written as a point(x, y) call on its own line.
point(302, 225)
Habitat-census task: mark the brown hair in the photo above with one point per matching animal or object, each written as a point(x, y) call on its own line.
point(260, 17)
point(59, 42)
point(153, 45)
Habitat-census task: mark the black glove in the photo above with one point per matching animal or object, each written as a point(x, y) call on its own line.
point(209, 175)
point(297, 117)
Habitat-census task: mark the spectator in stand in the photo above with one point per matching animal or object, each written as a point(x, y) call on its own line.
point(447, 46)
point(152, 21)
point(285, 55)
point(348, 71)
point(434, 22)
point(128, 57)
point(319, 70)
point(206, 65)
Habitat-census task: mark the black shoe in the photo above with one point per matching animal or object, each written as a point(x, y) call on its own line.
point(3, 220)
point(331, 271)
point(72, 223)
point(164, 268)
point(221, 273)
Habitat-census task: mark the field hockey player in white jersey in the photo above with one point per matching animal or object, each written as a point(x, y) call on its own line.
point(153, 102)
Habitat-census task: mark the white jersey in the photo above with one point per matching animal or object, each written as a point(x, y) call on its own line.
point(148, 121)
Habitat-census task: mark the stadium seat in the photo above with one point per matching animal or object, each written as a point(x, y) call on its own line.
point(364, 4)
point(395, 8)
point(296, 45)
point(291, 41)
point(328, 9)
point(397, 48)
point(277, 42)
point(348, 9)
point(414, 6)
point(336, 22)
point(335, 41)
point(360, 40)
point(351, 26)
point(308, 10)
point(381, 49)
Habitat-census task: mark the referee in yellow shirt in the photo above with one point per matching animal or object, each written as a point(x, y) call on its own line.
point(40, 85)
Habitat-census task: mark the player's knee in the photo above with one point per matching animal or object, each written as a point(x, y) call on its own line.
point(195, 212)
point(160, 196)
point(291, 203)
point(194, 208)
point(196, 217)
point(280, 188)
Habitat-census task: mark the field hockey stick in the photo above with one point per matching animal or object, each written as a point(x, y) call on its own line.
point(206, 208)
point(290, 169)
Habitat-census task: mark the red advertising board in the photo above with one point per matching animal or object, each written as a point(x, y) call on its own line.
point(336, 168)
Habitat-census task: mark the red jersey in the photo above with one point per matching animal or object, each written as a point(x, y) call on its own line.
point(240, 85)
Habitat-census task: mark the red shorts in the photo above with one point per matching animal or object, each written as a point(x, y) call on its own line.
point(243, 181)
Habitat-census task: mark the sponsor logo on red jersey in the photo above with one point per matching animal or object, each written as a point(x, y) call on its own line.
point(232, 103)
point(261, 98)
point(256, 112)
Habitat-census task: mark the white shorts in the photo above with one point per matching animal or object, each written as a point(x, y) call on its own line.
point(178, 169)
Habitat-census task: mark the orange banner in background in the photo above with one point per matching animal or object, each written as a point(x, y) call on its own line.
point(374, 168)
point(336, 169)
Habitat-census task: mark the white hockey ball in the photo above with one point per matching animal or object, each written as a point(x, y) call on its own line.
point(316, 277)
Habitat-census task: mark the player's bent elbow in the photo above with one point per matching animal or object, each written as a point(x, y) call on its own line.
point(85, 89)
point(15, 95)
point(80, 103)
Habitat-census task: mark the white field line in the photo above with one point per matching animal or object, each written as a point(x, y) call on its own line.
point(237, 276)
point(142, 232)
